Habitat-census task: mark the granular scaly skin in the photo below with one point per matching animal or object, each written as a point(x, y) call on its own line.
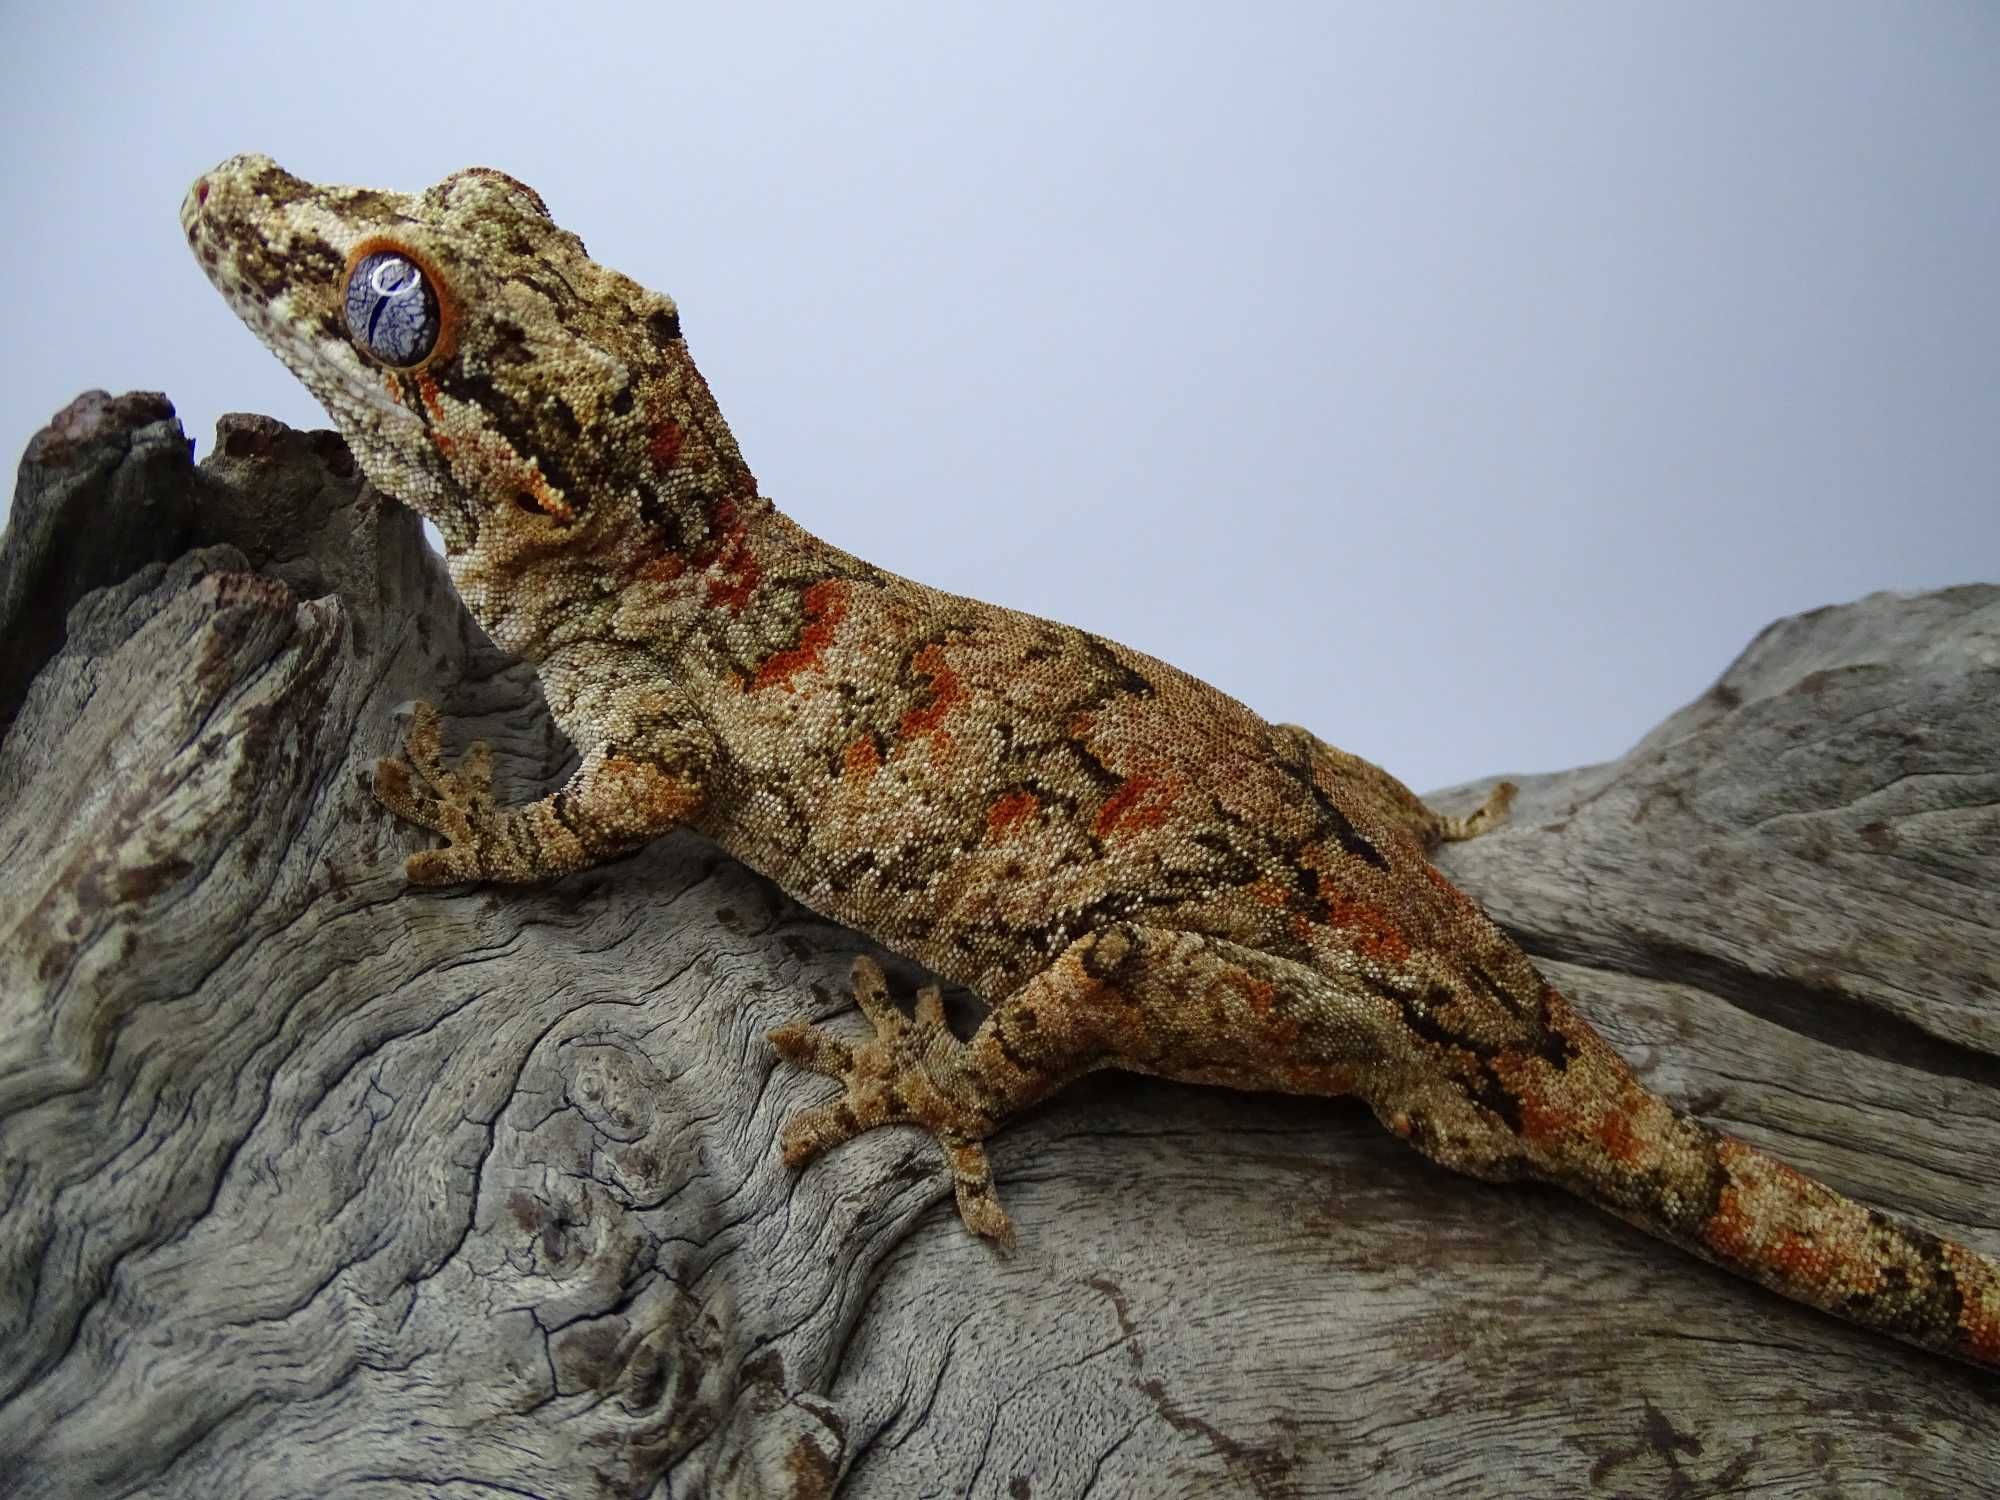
point(1131, 867)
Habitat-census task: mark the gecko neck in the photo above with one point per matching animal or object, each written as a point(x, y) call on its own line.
point(732, 567)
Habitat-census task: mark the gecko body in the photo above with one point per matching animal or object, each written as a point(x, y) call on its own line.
point(1132, 868)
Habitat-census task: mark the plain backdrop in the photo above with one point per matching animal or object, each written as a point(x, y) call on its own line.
point(1467, 382)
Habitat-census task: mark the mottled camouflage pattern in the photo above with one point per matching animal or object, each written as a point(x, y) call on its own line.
point(1133, 868)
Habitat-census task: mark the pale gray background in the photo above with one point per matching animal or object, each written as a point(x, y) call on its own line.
point(1468, 383)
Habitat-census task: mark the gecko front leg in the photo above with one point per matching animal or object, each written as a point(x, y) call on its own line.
point(630, 789)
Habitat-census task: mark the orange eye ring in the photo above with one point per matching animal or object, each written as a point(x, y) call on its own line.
point(381, 317)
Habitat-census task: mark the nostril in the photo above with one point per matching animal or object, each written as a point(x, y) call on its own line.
point(201, 191)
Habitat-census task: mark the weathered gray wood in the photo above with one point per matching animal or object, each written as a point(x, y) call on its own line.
point(311, 1184)
point(99, 455)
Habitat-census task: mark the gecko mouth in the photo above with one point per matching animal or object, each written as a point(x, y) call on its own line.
point(333, 373)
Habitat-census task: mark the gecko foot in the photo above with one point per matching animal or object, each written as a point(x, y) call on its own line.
point(1489, 814)
point(907, 1073)
point(418, 786)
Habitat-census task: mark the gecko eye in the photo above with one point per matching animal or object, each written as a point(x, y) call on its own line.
point(392, 310)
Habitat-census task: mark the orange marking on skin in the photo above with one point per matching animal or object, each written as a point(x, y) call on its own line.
point(1803, 1259)
point(1542, 1120)
point(663, 443)
point(1732, 1230)
point(947, 692)
point(1302, 928)
point(825, 606)
point(727, 553)
point(527, 478)
point(1140, 802)
point(663, 569)
point(427, 392)
point(1979, 1336)
point(1548, 1115)
point(664, 798)
point(1262, 995)
point(550, 502)
point(1978, 1317)
point(1375, 936)
point(1829, 1260)
point(1008, 811)
point(1268, 893)
point(1545, 1118)
point(861, 759)
point(1729, 1231)
point(1615, 1133)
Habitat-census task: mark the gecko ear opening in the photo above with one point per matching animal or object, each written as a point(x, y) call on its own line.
point(399, 311)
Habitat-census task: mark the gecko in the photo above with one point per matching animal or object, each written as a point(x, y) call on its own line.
point(1128, 866)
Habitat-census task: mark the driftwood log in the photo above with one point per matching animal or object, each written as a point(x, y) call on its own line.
point(314, 1184)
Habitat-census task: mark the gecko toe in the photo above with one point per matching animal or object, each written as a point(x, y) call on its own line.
point(807, 1046)
point(812, 1132)
point(972, 1184)
point(448, 866)
point(423, 741)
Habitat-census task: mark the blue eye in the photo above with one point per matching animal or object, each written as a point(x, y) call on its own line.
point(391, 310)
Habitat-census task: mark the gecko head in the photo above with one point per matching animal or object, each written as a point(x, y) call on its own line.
point(481, 366)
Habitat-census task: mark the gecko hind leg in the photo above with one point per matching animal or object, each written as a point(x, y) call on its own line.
point(900, 1076)
point(1150, 1000)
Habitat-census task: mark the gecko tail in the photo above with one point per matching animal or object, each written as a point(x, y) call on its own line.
point(1569, 1111)
point(1755, 1215)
